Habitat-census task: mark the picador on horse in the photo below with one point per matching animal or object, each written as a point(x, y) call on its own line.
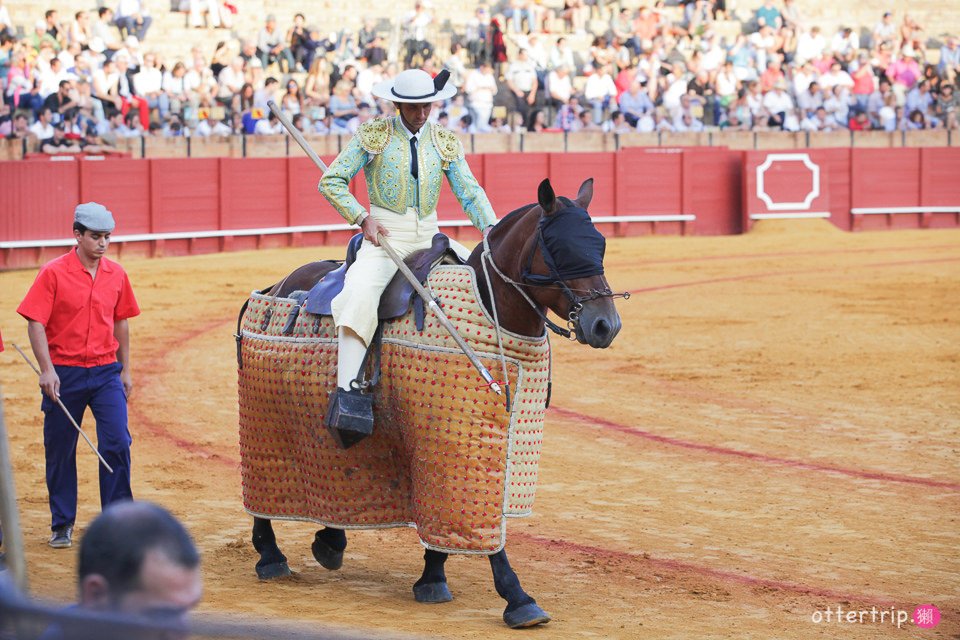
point(360, 409)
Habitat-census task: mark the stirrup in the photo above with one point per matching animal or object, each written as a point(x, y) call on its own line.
point(349, 416)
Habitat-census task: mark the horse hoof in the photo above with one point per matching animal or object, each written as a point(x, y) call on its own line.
point(432, 593)
point(327, 556)
point(273, 570)
point(529, 615)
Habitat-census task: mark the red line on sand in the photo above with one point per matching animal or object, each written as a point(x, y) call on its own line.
point(773, 274)
point(759, 457)
point(681, 566)
point(151, 367)
point(781, 254)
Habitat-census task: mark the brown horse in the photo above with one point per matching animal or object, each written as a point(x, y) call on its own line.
point(543, 256)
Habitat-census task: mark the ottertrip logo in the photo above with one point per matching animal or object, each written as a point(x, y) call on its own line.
point(925, 616)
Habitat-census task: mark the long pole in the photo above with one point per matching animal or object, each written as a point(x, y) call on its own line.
point(412, 279)
point(65, 411)
point(9, 516)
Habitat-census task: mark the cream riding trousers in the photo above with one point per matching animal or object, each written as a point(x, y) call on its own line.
point(356, 306)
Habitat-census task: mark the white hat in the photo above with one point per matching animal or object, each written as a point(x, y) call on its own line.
point(415, 86)
point(94, 217)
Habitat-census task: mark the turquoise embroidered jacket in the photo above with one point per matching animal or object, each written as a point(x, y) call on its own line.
point(382, 149)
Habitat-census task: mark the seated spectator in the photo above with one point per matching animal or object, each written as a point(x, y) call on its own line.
point(480, 89)
point(292, 101)
point(920, 98)
point(888, 114)
point(210, 126)
point(42, 129)
point(947, 106)
point(559, 87)
point(316, 87)
point(599, 91)
point(64, 101)
point(148, 84)
point(768, 15)
point(778, 104)
point(465, 125)
point(820, 121)
point(91, 144)
point(635, 102)
point(885, 31)
point(837, 103)
point(731, 122)
point(810, 99)
point(521, 79)
point(859, 121)
point(342, 105)
point(415, 26)
point(272, 48)
point(231, 80)
point(127, 94)
point(617, 123)
point(132, 19)
point(269, 126)
point(103, 37)
point(836, 77)
point(20, 128)
point(58, 143)
point(688, 122)
point(537, 122)
point(949, 65)
point(568, 115)
point(810, 46)
point(845, 45)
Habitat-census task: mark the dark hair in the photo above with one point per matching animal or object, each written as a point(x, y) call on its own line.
point(48, 13)
point(79, 228)
point(102, 10)
point(118, 540)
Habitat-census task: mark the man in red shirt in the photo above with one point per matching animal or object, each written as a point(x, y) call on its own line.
point(76, 313)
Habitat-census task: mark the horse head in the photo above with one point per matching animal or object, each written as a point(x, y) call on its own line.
point(552, 255)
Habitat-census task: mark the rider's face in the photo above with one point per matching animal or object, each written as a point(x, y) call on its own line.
point(415, 115)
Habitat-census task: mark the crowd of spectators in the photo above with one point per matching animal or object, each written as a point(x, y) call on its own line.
point(93, 78)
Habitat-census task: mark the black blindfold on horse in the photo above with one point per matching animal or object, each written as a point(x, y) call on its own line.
point(570, 245)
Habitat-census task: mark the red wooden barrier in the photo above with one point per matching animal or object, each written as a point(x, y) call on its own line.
point(178, 206)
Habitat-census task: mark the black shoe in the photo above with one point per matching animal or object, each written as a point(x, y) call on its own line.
point(62, 537)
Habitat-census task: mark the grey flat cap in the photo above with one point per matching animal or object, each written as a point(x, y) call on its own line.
point(94, 216)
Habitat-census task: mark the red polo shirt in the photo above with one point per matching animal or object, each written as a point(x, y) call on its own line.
point(77, 311)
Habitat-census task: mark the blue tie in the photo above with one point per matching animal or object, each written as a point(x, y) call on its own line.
point(414, 168)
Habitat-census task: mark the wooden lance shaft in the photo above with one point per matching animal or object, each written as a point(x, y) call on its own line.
point(66, 412)
point(9, 516)
point(412, 279)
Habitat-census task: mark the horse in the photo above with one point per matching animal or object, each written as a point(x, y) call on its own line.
point(524, 267)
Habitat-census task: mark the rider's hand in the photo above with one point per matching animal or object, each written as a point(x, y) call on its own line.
point(371, 228)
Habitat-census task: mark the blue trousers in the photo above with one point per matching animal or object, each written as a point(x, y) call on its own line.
point(100, 389)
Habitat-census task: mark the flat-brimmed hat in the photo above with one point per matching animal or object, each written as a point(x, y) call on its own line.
point(415, 86)
point(94, 216)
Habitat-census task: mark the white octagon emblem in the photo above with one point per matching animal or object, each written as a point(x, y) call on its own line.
point(789, 157)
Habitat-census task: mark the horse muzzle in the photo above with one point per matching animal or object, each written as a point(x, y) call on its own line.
point(597, 331)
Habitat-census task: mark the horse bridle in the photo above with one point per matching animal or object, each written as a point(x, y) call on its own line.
point(536, 280)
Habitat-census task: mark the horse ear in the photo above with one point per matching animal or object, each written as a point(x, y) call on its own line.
point(546, 197)
point(585, 195)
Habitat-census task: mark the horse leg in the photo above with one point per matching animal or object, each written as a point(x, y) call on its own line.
point(432, 585)
point(522, 610)
point(328, 545)
point(272, 563)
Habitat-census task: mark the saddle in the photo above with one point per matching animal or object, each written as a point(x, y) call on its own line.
point(399, 294)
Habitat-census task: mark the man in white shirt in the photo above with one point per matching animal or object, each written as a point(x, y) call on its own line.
point(211, 127)
point(778, 104)
point(480, 88)
point(836, 77)
point(810, 46)
point(522, 80)
point(132, 18)
point(600, 91)
point(820, 121)
point(148, 84)
point(42, 129)
point(268, 126)
point(559, 86)
point(231, 80)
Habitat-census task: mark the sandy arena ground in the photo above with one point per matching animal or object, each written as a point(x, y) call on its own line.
point(774, 433)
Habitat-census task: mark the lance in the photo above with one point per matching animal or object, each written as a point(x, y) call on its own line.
point(412, 279)
point(65, 411)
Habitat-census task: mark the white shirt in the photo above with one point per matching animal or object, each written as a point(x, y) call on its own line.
point(599, 86)
point(218, 129)
point(264, 128)
point(41, 131)
point(777, 101)
point(148, 80)
point(480, 89)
